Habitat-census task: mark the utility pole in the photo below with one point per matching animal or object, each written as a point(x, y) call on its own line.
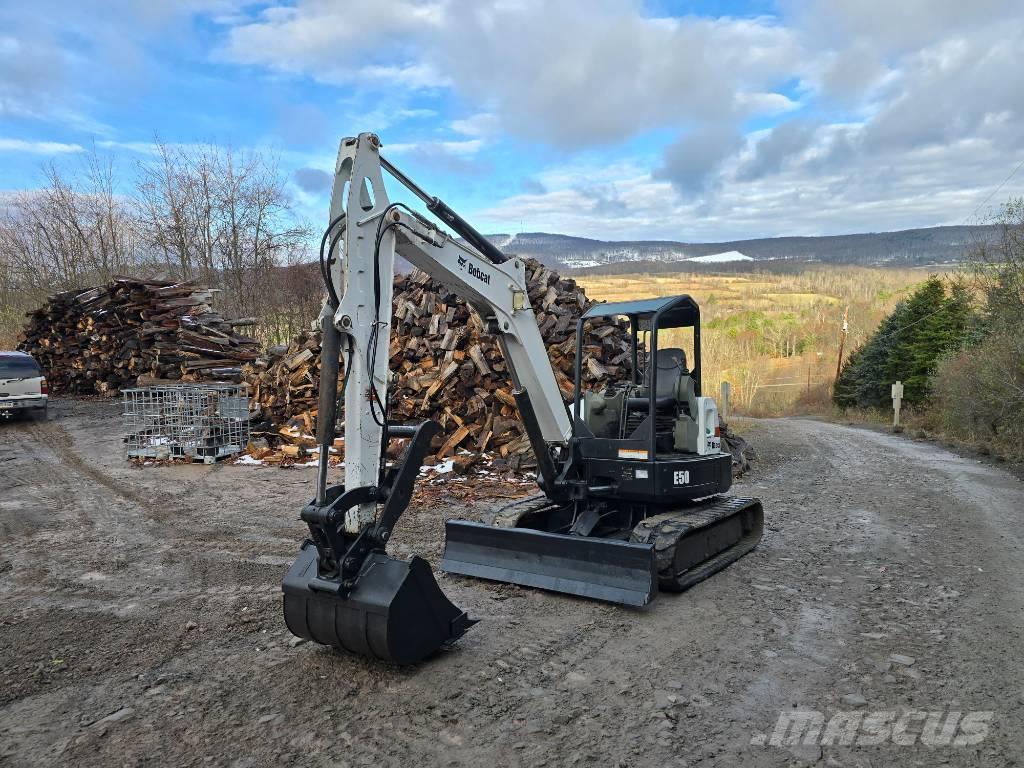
point(842, 341)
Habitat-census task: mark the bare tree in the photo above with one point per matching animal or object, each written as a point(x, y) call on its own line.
point(175, 206)
point(73, 231)
point(997, 265)
point(291, 302)
point(204, 213)
point(219, 216)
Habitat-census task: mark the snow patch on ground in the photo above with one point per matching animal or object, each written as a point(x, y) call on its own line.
point(715, 258)
point(443, 468)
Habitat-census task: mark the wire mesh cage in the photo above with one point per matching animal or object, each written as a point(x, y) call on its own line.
point(202, 422)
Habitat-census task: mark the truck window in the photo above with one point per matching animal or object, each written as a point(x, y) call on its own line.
point(18, 368)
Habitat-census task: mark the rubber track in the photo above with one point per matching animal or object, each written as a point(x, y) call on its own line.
point(510, 514)
point(667, 529)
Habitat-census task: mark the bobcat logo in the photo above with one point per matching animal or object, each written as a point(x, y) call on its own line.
point(474, 270)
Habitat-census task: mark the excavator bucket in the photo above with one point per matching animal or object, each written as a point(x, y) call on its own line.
point(602, 569)
point(396, 612)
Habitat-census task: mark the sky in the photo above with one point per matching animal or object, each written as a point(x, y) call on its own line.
point(697, 121)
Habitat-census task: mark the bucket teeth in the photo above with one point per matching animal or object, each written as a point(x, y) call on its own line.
point(396, 612)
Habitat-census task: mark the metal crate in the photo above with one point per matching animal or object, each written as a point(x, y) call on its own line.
point(201, 422)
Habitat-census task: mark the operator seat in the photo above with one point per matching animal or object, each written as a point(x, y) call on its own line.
point(671, 368)
point(672, 371)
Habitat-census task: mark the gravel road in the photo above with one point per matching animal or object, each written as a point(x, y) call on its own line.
point(140, 622)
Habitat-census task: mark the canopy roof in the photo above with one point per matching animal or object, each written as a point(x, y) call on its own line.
point(672, 311)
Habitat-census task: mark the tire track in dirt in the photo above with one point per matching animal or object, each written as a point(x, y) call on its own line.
point(57, 439)
point(133, 558)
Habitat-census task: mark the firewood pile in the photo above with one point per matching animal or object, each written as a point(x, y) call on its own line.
point(132, 332)
point(445, 369)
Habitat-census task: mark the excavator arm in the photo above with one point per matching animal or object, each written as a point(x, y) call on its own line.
point(493, 285)
point(344, 590)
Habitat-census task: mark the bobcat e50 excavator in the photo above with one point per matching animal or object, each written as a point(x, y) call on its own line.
point(632, 477)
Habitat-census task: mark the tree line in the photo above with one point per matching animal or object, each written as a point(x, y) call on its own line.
point(206, 213)
point(956, 345)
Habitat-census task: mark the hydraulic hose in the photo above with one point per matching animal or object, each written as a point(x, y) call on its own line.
point(327, 410)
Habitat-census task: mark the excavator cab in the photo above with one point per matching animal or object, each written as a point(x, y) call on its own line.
point(657, 416)
point(664, 380)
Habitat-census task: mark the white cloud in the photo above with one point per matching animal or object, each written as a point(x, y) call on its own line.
point(764, 103)
point(578, 74)
point(776, 147)
point(52, 53)
point(868, 114)
point(593, 74)
point(691, 161)
point(340, 42)
point(464, 148)
point(815, 191)
point(569, 73)
point(482, 124)
point(386, 115)
point(39, 147)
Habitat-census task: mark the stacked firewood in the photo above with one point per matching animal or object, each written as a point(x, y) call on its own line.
point(132, 332)
point(446, 368)
point(283, 383)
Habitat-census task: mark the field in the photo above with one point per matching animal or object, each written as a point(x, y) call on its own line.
point(774, 336)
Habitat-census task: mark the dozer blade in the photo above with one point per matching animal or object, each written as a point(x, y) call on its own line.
point(603, 569)
point(396, 612)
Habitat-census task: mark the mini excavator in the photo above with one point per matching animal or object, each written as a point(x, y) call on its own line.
point(632, 476)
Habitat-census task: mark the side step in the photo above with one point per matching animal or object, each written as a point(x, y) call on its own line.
point(602, 569)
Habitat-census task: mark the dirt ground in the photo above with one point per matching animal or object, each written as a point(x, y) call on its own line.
point(140, 620)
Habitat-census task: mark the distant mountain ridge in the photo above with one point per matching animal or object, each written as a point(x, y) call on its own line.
point(909, 247)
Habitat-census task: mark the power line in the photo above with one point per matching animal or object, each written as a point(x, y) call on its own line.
point(994, 191)
point(911, 325)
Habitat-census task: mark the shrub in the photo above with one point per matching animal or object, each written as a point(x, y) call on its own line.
point(978, 393)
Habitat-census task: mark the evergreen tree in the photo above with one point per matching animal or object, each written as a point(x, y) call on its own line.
point(918, 341)
point(845, 393)
point(907, 346)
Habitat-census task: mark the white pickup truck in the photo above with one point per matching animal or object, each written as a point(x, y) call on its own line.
point(22, 386)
